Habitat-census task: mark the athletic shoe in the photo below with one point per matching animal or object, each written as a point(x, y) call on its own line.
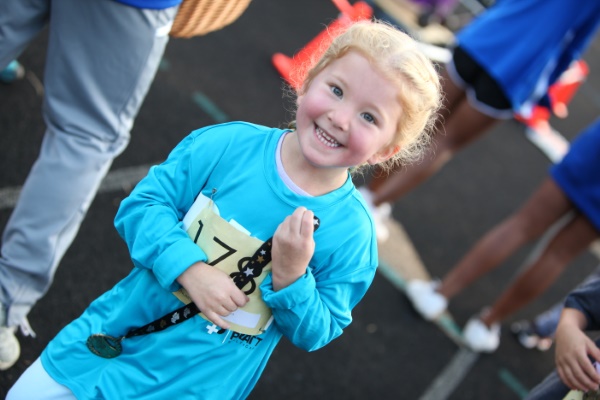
point(381, 214)
point(424, 298)
point(526, 335)
point(9, 345)
point(478, 337)
point(12, 72)
point(9, 348)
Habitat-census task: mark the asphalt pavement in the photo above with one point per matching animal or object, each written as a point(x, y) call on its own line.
point(388, 352)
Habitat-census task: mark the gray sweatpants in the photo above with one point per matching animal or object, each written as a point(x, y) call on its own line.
point(102, 57)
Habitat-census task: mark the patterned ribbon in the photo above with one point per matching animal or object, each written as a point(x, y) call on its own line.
point(107, 346)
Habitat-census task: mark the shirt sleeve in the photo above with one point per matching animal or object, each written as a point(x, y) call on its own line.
point(312, 313)
point(586, 299)
point(149, 219)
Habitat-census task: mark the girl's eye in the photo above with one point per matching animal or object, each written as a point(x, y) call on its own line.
point(369, 118)
point(337, 91)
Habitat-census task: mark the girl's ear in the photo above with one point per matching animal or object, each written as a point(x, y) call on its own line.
point(384, 154)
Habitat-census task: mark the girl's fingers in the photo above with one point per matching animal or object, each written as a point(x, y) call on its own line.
point(296, 220)
point(240, 299)
point(576, 378)
point(307, 228)
point(217, 320)
point(589, 376)
point(237, 299)
point(229, 308)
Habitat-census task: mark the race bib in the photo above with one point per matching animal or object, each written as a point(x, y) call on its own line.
point(230, 250)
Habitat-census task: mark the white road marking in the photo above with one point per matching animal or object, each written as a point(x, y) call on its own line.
point(448, 380)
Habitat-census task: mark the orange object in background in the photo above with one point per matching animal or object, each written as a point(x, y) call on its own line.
point(560, 93)
point(290, 68)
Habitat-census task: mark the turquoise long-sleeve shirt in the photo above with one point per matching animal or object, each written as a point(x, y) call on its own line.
point(233, 164)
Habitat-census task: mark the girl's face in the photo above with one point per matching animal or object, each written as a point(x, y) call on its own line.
point(348, 115)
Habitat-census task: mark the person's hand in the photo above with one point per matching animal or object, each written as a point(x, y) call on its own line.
point(573, 351)
point(293, 247)
point(213, 291)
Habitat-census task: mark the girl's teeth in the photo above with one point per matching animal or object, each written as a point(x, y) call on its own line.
point(326, 139)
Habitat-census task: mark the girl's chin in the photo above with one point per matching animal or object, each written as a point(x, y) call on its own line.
point(321, 164)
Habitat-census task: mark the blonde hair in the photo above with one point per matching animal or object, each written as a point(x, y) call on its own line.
point(396, 55)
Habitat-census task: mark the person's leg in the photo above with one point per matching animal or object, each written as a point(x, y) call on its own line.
point(544, 207)
point(453, 96)
point(102, 57)
point(20, 22)
point(460, 128)
point(35, 383)
point(569, 242)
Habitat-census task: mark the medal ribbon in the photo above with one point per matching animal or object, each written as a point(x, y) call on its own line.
point(107, 346)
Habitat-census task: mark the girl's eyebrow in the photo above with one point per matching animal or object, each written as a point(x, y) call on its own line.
point(381, 110)
point(378, 111)
point(338, 77)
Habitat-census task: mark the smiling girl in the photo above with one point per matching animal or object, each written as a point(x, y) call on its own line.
point(223, 237)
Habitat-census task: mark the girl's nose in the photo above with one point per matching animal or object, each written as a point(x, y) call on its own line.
point(340, 118)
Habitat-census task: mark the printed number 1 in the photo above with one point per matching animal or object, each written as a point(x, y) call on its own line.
point(230, 250)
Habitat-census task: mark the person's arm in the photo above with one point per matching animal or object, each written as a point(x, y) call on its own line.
point(573, 351)
point(293, 247)
point(150, 222)
point(149, 219)
point(213, 291)
point(573, 347)
point(310, 312)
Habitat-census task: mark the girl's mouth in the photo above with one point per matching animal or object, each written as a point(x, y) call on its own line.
point(326, 139)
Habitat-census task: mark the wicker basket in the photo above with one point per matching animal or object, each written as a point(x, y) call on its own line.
point(199, 17)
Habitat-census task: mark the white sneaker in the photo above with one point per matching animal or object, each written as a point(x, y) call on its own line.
point(380, 214)
point(478, 337)
point(10, 350)
point(424, 298)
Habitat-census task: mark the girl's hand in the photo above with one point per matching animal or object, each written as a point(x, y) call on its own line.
point(213, 291)
point(573, 349)
point(293, 247)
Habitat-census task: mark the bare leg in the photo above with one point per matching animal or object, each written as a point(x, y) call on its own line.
point(546, 206)
point(453, 96)
point(460, 127)
point(569, 242)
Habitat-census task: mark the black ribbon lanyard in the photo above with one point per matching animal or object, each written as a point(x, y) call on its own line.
point(107, 346)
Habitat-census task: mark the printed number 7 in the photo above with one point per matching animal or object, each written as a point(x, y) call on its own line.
point(230, 250)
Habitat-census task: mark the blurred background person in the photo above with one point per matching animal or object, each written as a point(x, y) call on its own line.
point(571, 193)
point(577, 355)
point(101, 59)
point(503, 64)
point(538, 332)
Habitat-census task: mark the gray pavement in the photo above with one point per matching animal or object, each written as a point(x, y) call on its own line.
point(388, 352)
